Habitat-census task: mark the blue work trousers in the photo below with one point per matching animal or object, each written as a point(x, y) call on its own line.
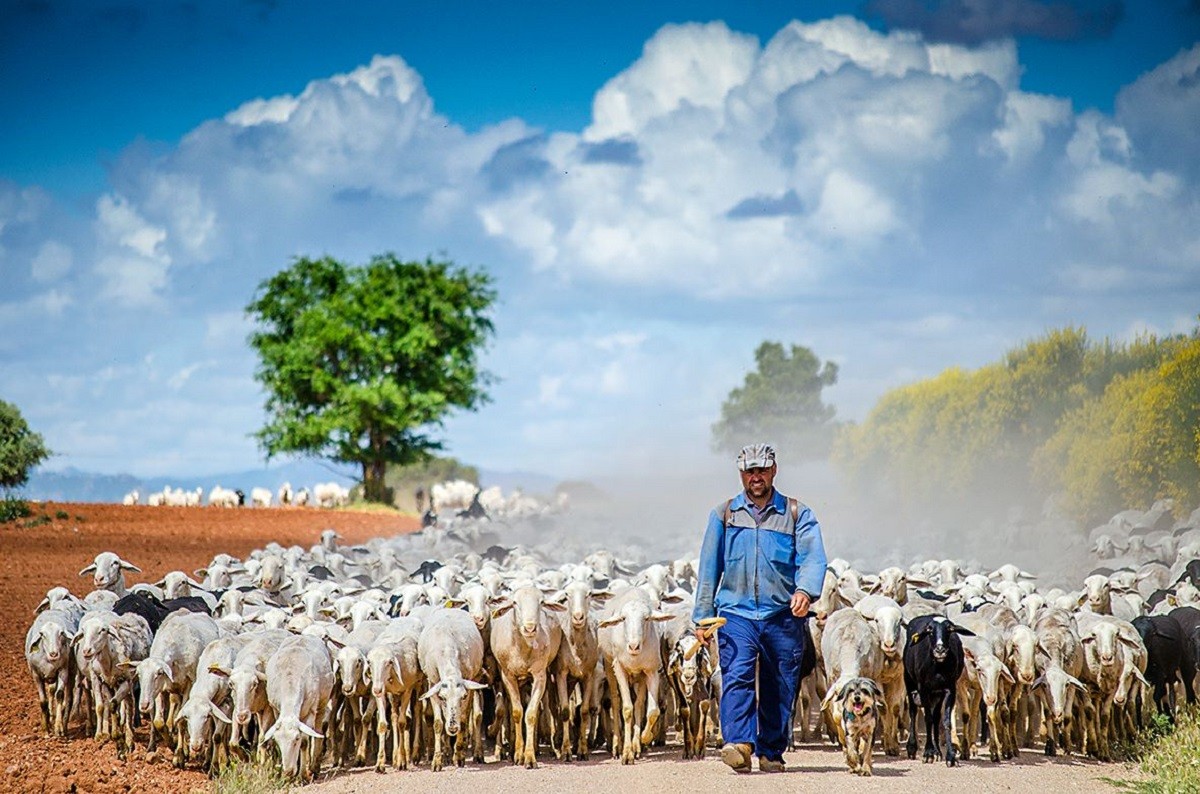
point(773, 648)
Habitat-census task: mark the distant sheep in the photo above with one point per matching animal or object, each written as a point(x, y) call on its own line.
point(260, 497)
point(330, 494)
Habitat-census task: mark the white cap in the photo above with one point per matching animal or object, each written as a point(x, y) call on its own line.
point(756, 456)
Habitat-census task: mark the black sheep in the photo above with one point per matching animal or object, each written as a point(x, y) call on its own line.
point(1191, 572)
point(1164, 652)
point(1188, 619)
point(933, 661)
point(140, 603)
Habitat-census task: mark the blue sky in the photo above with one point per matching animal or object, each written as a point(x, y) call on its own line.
point(903, 185)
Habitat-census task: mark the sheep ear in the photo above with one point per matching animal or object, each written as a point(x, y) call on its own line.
point(1008, 676)
point(216, 669)
point(604, 624)
point(672, 598)
point(659, 617)
point(1075, 682)
point(216, 712)
point(431, 691)
point(90, 569)
point(266, 737)
point(501, 610)
point(42, 606)
point(554, 606)
point(1140, 676)
point(473, 685)
point(960, 630)
point(128, 566)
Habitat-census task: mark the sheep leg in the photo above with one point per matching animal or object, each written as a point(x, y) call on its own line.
point(531, 715)
point(911, 743)
point(931, 729)
point(477, 728)
point(566, 715)
point(652, 710)
point(438, 727)
point(628, 750)
point(947, 717)
point(516, 715)
point(43, 701)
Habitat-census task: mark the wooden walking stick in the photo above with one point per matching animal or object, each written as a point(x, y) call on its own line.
point(707, 627)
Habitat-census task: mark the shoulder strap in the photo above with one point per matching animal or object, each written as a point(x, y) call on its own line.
point(794, 509)
point(724, 512)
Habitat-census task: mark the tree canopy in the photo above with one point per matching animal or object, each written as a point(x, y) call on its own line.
point(361, 364)
point(780, 401)
point(21, 449)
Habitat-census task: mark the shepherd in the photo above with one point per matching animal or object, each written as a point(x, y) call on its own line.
point(761, 566)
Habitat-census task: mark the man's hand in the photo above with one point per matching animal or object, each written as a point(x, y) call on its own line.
point(800, 603)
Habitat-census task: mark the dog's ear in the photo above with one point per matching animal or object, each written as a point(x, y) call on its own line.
point(877, 690)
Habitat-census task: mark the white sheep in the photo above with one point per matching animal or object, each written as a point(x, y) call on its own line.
point(48, 656)
point(629, 640)
point(525, 639)
point(451, 654)
point(260, 497)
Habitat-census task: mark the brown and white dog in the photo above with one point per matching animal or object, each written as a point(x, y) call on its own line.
point(860, 699)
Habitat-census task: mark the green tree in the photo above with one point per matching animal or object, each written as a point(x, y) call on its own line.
point(362, 364)
point(21, 449)
point(780, 401)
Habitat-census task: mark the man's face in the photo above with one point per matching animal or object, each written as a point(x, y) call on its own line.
point(758, 482)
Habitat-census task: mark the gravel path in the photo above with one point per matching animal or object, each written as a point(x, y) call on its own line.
point(812, 768)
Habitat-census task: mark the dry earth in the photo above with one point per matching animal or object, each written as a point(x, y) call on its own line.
point(163, 539)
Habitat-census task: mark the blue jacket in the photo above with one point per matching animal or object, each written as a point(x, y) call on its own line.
point(751, 569)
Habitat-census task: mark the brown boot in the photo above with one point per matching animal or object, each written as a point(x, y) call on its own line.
point(736, 757)
point(767, 765)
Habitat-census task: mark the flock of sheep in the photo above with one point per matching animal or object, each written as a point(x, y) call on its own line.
point(325, 494)
point(477, 637)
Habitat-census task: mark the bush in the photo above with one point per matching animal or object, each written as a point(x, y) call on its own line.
point(62, 515)
point(12, 509)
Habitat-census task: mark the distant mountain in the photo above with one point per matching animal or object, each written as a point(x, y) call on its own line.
point(73, 485)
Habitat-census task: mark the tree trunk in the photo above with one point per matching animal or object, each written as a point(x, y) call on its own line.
point(374, 488)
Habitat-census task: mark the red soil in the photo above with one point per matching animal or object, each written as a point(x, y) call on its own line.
point(157, 540)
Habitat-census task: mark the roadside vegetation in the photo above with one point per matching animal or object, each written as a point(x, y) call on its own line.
point(1099, 426)
point(1169, 756)
point(247, 777)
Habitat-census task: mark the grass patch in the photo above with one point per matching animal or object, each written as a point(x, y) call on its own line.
point(62, 515)
point(36, 521)
point(1168, 756)
point(372, 507)
point(248, 777)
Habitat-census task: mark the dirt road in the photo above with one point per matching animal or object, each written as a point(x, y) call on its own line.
point(813, 768)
